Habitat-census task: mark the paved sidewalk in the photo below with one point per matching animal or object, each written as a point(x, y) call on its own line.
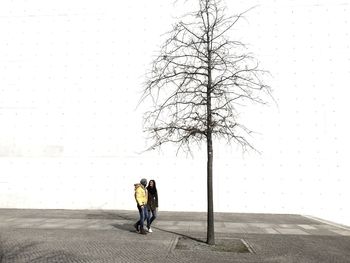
point(108, 236)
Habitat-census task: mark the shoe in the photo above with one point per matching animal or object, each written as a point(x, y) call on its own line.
point(150, 230)
point(143, 232)
point(136, 227)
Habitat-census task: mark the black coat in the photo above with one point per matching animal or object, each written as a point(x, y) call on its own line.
point(152, 200)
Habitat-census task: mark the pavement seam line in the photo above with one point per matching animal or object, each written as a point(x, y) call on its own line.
point(172, 246)
point(249, 246)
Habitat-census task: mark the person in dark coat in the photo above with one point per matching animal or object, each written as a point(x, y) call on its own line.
point(152, 203)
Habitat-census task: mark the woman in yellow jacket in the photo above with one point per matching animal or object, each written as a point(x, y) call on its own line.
point(141, 197)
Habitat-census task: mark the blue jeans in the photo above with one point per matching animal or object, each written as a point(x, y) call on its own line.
point(143, 211)
point(151, 219)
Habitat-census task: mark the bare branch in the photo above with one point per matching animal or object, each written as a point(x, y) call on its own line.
point(199, 65)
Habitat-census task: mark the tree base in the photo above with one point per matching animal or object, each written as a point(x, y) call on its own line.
point(233, 245)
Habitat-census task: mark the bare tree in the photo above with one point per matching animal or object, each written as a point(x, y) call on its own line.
point(196, 84)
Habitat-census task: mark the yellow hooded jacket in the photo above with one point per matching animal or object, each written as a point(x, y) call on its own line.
point(140, 194)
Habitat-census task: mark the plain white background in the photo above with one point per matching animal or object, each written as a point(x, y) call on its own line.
point(71, 75)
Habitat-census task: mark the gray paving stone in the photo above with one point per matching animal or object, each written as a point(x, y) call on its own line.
point(235, 225)
point(271, 231)
point(235, 230)
point(291, 231)
point(307, 226)
point(261, 225)
point(341, 232)
point(321, 232)
point(48, 225)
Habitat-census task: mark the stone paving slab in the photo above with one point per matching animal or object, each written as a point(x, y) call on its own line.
point(271, 231)
point(220, 227)
point(308, 227)
point(291, 231)
point(342, 232)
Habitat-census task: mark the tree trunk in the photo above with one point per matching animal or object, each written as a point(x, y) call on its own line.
point(210, 213)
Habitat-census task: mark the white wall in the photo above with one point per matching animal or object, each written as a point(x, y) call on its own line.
point(70, 79)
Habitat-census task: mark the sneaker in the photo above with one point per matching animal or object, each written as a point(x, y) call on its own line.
point(150, 230)
point(136, 227)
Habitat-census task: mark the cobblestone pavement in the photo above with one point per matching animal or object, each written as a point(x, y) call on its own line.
point(108, 236)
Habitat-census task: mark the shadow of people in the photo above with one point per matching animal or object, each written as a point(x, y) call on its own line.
point(125, 216)
point(125, 227)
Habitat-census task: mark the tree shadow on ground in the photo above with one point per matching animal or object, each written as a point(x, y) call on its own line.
point(200, 240)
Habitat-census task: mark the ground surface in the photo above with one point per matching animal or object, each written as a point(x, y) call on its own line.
point(108, 236)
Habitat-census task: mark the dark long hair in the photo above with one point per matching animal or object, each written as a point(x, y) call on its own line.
point(152, 190)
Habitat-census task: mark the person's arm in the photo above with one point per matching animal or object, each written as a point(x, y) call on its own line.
point(139, 197)
point(156, 197)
